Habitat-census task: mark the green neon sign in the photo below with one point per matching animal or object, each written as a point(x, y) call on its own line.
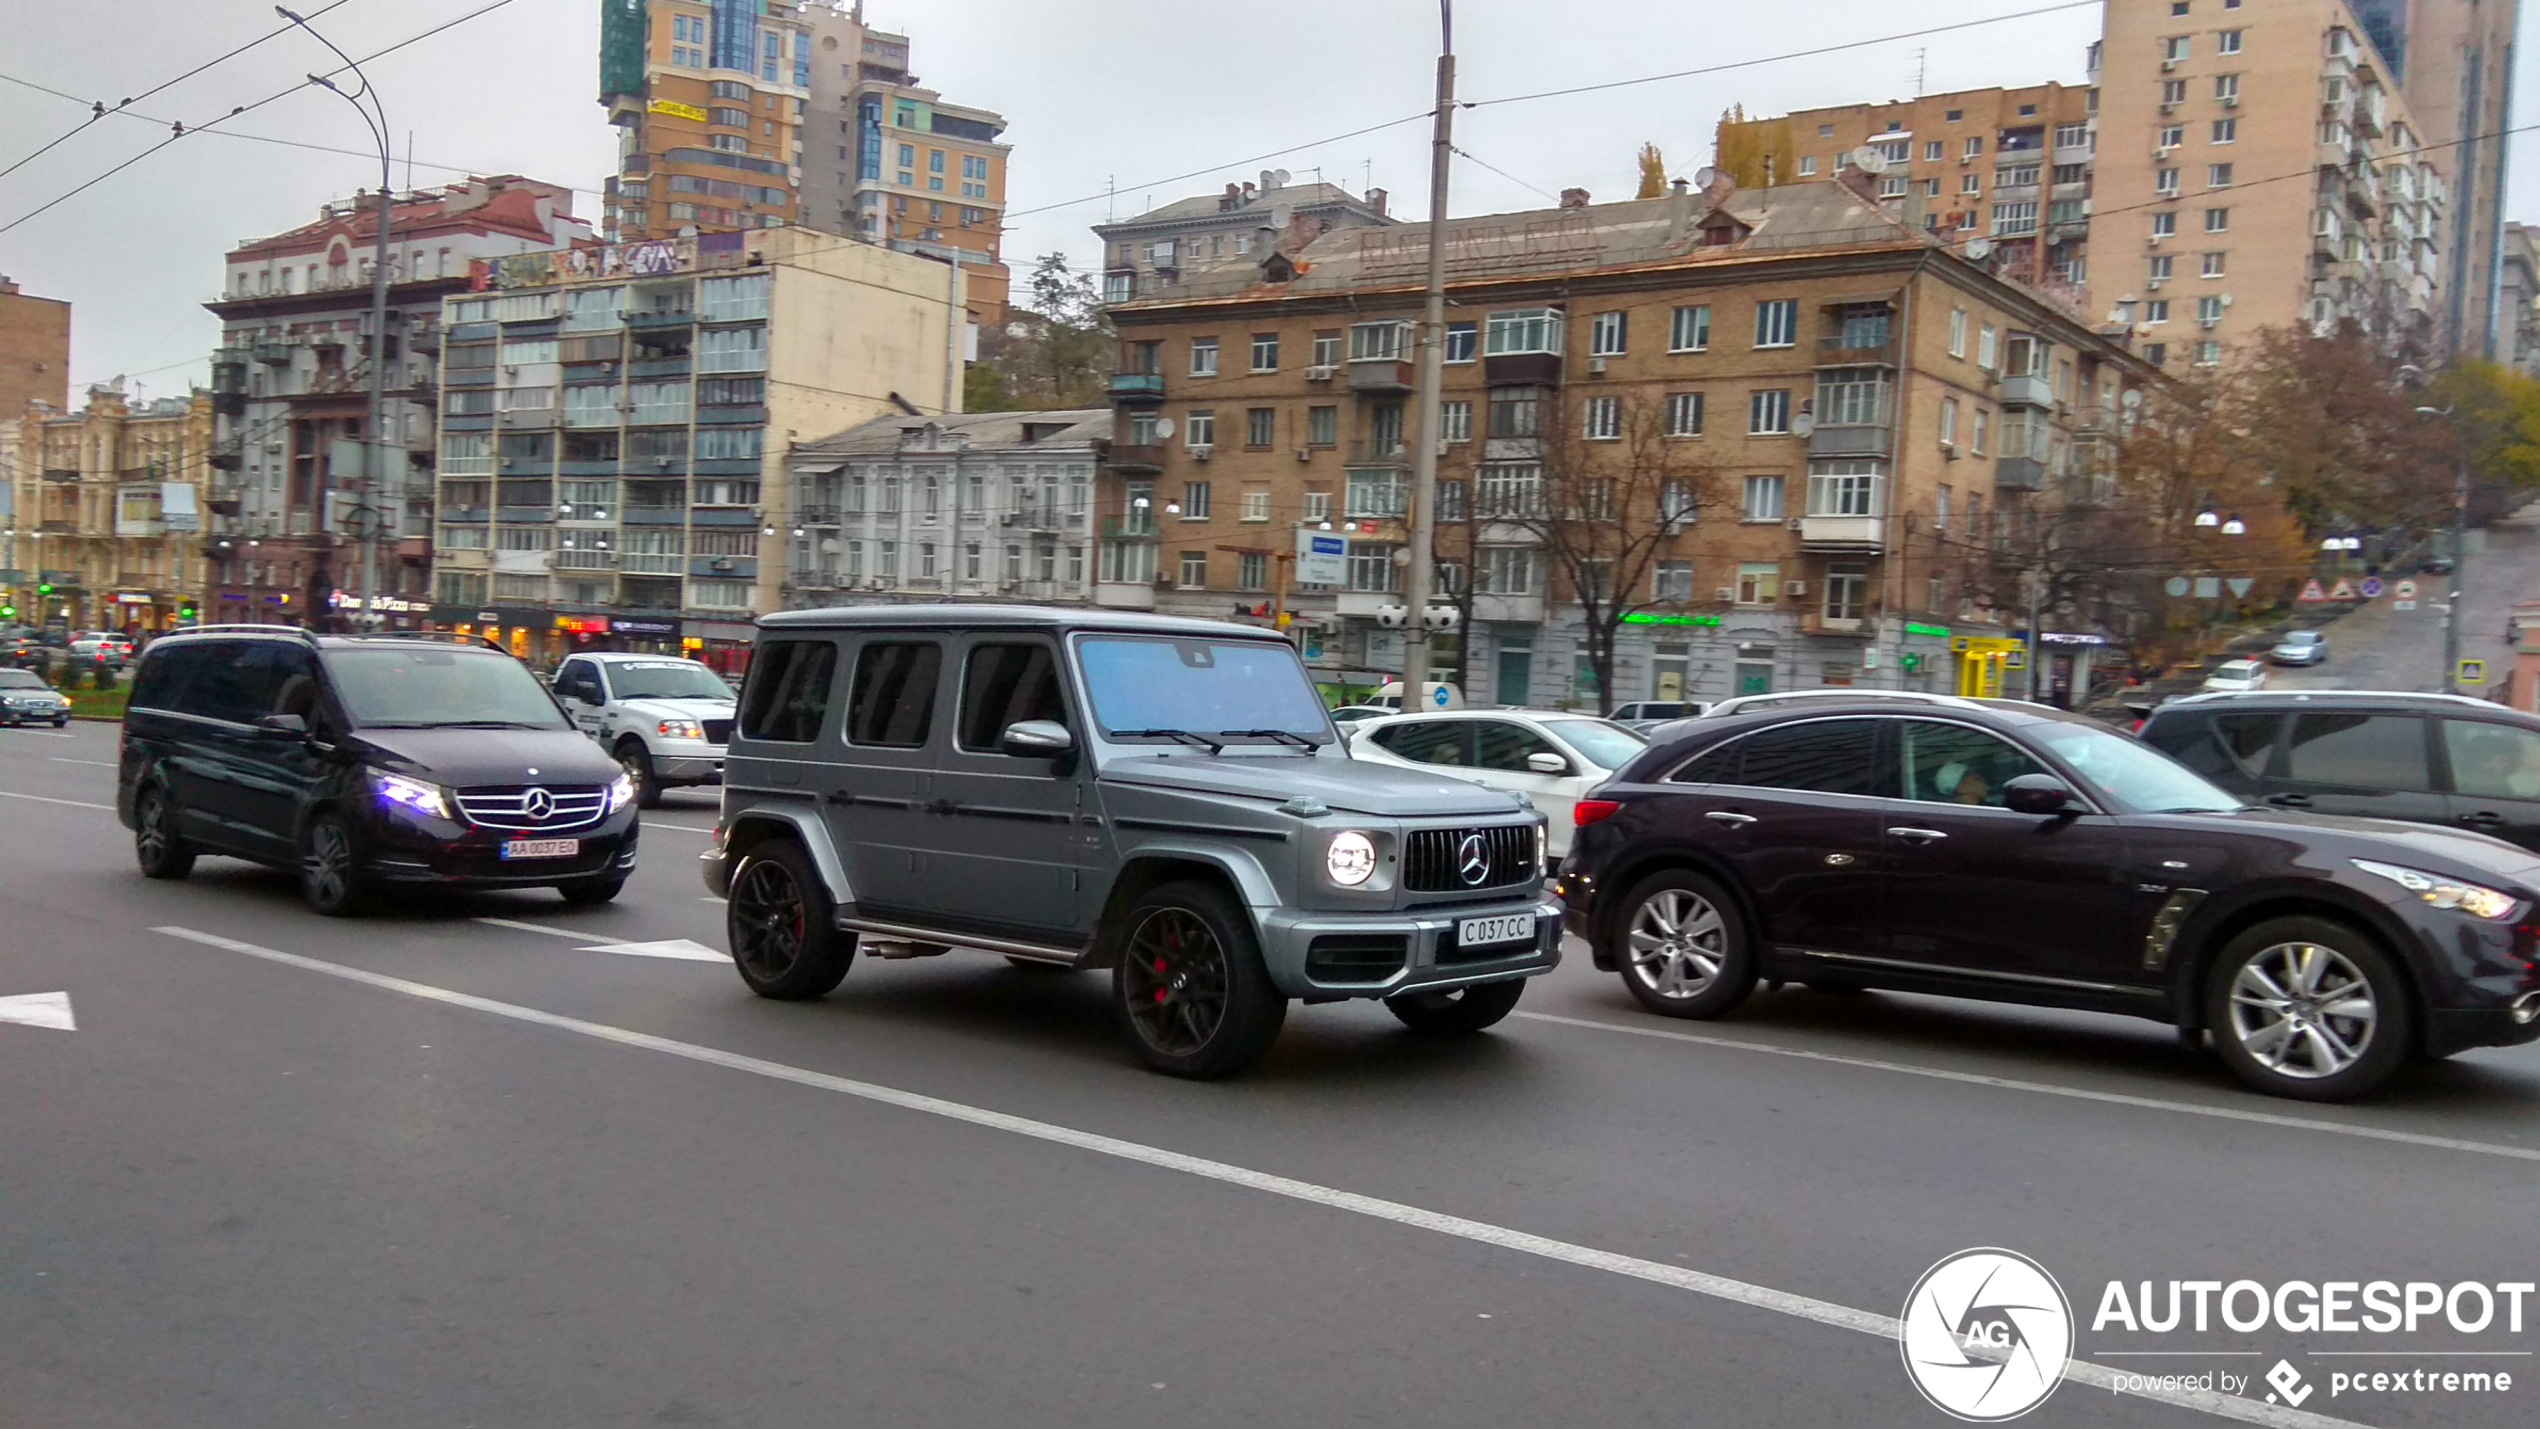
point(1936, 632)
point(1651, 617)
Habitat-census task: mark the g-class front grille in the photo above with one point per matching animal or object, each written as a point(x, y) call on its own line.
point(1466, 860)
point(533, 806)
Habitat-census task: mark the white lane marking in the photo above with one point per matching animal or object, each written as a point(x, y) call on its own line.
point(43, 734)
point(66, 803)
point(536, 928)
point(91, 763)
point(679, 948)
point(39, 1009)
point(1824, 1312)
point(1979, 1079)
point(683, 828)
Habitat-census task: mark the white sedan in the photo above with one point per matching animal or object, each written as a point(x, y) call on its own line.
point(1552, 759)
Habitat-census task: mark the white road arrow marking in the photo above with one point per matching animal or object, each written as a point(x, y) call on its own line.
point(39, 1009)
point(679, 948)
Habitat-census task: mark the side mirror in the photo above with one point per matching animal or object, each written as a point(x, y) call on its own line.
point(284, 726)
point(1546, 762)
point(2041, 794)
point(1036, 739)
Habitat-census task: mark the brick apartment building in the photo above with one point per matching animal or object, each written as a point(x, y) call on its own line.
point(35, 351)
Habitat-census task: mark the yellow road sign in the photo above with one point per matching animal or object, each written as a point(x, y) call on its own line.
point(2473, 672)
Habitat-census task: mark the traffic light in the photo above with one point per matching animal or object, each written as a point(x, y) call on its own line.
point(8, 612)
point(45, 589)
point(185, 611)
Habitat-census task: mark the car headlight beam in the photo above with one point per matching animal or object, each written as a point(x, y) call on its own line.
point(621, 792)
point(412, 794)
point(2441, 892)
point(1350, 858)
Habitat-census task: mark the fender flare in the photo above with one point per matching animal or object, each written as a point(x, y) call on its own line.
point(806, 828)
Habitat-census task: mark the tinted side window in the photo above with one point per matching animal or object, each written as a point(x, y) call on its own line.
point(893, 704)
point(2363, 751)
point(2248, 739)
point(2493, 761)
point(1005, 685)
point(2231, 747)
point(788, 695)
point(238, 681)
point(1500, 745)
point(1822, 756)
point(164, 674)
point(1716, 765)
point(1436, 742)
point(1952, 764)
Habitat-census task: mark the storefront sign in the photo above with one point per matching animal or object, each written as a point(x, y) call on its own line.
point(1935, 632)
point(677, 110)
point(1321, 559)
point(583, 624)
point(131, 597)
point(2057, 637)
point(657, 629)
point(386, 604)
point(1651, 617)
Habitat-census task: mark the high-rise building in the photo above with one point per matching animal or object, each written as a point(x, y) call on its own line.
point(2258, 168)
point(615, 424)
point(109, 511)
point(887, 161)
point(291, 381)
point(35, 351)
point(2009, 166)
point(1147, 253)
point(2518, 300)
point(707, 97)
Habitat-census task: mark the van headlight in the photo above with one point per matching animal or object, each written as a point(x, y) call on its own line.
point(2442, 892)
point(621, 792)
point(1350, 858)
point(412, 794)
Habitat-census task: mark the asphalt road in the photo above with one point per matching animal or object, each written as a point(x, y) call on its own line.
point(2381, 647)
point(431, 1169)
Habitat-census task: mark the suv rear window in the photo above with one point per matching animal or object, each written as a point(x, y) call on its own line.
point(893, 704)
point(2359, 750)
point(1004, 685)
point(1825, 756)
point(788, 696)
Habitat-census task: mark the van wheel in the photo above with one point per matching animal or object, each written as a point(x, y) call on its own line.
point(1190, 990)
point(155, 845)
point(330, 879)
point(1456, 1011)
point(1684, 947)
point(2310, 1009)
point(778, 922)
point(637, 761)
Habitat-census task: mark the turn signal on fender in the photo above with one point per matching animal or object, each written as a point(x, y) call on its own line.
point(1588, 811)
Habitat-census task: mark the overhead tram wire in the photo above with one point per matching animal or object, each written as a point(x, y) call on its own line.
point(181, 131)
point(100, 109)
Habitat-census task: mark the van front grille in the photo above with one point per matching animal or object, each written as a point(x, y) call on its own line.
point(532, 806)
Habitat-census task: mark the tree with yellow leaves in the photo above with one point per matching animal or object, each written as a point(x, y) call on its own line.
point(1653, 173)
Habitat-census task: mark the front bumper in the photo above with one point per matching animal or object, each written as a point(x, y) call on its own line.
point(1430, 959)
point(716, 869)
point(33, 714)
point(440, 853)
point(685, 762)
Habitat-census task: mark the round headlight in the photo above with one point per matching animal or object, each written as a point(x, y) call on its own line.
point(1351, 859)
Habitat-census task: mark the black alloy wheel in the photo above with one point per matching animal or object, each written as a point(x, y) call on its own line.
point(1459, 1010)
point(155, 845)
point(330, 880)
point(1190, 989)
point(777, 920)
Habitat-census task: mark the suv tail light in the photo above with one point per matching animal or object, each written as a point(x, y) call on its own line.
point(1589, 811)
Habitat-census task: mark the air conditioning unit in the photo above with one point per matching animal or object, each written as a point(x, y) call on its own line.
point(1724, 593)
point(1320, 374)
point(1163, 582)
point(2169, 109)
point(2231, 101)
point(2156, 282)
point(1305, 453)
point(1201, 453)
point(2155, 239)
point(1596, 367)
point(1794, 589)
point(1005, 518)
point(1795, 522)
point(2208, 322)
point(2168, 65)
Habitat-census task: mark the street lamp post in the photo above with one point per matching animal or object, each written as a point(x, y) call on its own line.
point(376, 117)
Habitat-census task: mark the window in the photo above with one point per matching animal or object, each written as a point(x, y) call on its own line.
point(2227, 88)
point(2164, 224)
point(1203, 357)
point(738, 349)
point(1952, 764)
point(1843, 488)
point(1974, 146)
point(1671, 582)
point(1847, 593)
point(1199, 429)
point(2173, 91)
point(1521, 332)
point(2072, 136)
point(1986, 340)
point(1940, 507)
point(1676, 501)
point(2212, 266)
point(1507, 570)
point(787, 697)
point(2014, 219)
point(892, 705)
point(1807, 165)
point(1602, 419)
point(2357, 750)
point(1515, 411)
point(1429, 742)
point(1978, 430)
point(1852, 396)
point(1605, 335)
point(1509, 490)
point(2218, 176)
point(1971, 183)
point(2208, 354)
point(1759, 582)
point(1265, 352)
point(2174, 47)
point(1684, 414)
point(1461, 339)
point(2156, 353)
point(1689, 330)
point(1005, 685)
point(2165, 182)
point(1327, 349)
point(2218, 220)
point(1261, 426)
point(1931, 151)
point(2173, 135)
point(1763, 499)
point(1455, 421)
point(1948, 421)
point(2209, 309)
point(2226, 131)
point(2158, 267)
point(1768, 412)
point(1194, 570)
point(2492, 761)
point(1777, 323)
point(1371, 567)
point(1957, 332)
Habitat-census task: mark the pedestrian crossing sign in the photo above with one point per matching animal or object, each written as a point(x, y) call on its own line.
point(2312, 594)
point(2473, 672)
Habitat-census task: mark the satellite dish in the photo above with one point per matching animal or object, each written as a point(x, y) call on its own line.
point(1802, 425)
point(1279, 176)
point(2133, 398)
point(1278, 216)
point(1869, 160)
point(1979, 249)
point(1164, 428)
point(1703, 178)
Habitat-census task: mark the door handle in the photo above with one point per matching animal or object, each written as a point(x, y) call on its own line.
point(1920, 836)
point(2485, 819)
point(1730, 817)
point(840, 796)
point(2290, 801)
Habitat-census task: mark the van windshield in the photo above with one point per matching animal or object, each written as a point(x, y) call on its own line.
point(1144, 687)
point(435, 687)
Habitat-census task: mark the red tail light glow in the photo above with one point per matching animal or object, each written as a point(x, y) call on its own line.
point(1589, 811)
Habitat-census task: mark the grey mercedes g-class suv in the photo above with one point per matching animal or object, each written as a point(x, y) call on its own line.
point(1162, 798)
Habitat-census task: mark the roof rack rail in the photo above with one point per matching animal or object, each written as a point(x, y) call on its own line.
point(446, 637)
point(243, 628)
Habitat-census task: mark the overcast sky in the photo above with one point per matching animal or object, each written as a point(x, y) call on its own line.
point(1099, 94)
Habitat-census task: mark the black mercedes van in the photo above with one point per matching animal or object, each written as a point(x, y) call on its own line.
point(365, 762)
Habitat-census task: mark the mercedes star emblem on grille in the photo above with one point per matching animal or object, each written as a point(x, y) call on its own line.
point(1472, 861)
point(538, 804)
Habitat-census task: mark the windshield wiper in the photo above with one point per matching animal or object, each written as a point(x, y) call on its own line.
point(455, 724)
point(1184, 735)
point(1287, 735)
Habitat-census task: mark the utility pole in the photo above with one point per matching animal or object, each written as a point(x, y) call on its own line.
point(2460, 572)
point(1431, 356)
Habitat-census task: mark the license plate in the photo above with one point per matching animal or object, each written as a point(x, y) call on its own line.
point(541, 848)
point(1475, 932)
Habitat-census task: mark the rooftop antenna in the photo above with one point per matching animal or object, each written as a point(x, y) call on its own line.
point(1922, 68)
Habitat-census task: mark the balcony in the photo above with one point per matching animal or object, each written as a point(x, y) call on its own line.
point(2029, 391)
point(1385, 375)
point(1515, 609)
point(1390, 451)
point(1820, 623)
point(1128, 528)
point(656, 322)
point(2019, 473)
point(1137, 458)
point(1849, 440)
point(1522, 369)
point(1137, 387)
point(817, 515)
point(1855, 534)
point(277, 354)
point(1840, 350)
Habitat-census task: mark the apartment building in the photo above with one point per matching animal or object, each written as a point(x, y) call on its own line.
point(108, 507)
point(708, 100)
point(2258, 169)
point(1150, 252)
point(992, 506)
point(35, 351)
point(614, 423)
point(910, 170)
point(1858, 408)
point(2518, 300)
point(2010, 166)
point(291, 391)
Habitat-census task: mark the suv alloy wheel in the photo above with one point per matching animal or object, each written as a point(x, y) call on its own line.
point(1685, 950)
point(2308, 1008)
point(155, 845)
point(778, 922)
point(1190, 989)
point(330, 879)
